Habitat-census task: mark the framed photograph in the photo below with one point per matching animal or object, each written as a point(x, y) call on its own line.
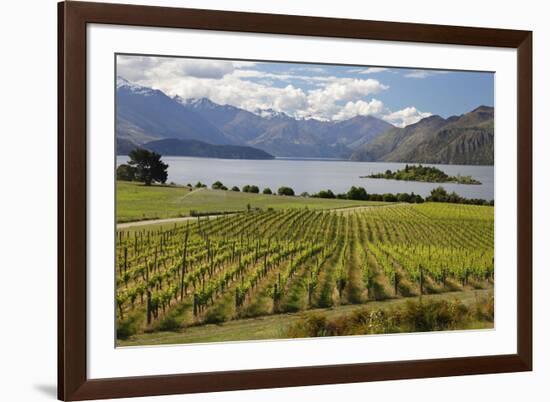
point(254, 200)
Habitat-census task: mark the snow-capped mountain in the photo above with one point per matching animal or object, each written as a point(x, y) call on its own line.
point(146, 114)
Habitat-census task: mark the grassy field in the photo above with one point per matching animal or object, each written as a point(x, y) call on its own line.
point(276, 326)
point(137, 202)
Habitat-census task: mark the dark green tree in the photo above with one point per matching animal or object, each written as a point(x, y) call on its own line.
point(285, 191)
point(149, 167)
point(357, 193)
point(267, 190)
point(217, 185)
point(126, 172)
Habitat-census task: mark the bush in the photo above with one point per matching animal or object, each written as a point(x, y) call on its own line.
point(169, 323)
point(285, 191)
point(326, 194)
point(357, 193)
point(217, 185)
point(267, 191)
point(414, 316)
point(389, 197)
point(235, 188)
point(126, 172)
point(251, 189)
point(126, 328)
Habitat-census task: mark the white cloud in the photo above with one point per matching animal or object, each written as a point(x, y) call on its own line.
point(325, 102)
point(423, 73)
point(144, 68)
point(237, 83)
point(404, 117)
point(368, 70)
point(360, 108)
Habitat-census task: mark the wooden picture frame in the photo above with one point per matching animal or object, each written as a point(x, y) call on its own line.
point(73, 17)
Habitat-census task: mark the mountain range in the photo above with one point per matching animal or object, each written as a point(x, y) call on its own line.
point(146, 115)
point(458, 140)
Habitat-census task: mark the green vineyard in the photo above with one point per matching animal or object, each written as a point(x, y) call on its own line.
point(257, 263)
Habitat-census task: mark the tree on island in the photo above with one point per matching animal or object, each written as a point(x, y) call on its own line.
point(147, 166)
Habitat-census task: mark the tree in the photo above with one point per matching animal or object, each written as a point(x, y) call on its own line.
point(217, 185)
point(438, 194)
point(267, 190)
point(149, 167)
point(404, 197)
point(251, 189)
point(235, 188)
point(126, 172)
point(388, 197)
point(326, 194)
point(357, 193)
point(285, 191)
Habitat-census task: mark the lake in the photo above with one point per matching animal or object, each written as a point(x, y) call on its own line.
point(313, 175)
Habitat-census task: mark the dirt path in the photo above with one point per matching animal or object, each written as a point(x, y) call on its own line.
point(351, 209)
point(127, 225)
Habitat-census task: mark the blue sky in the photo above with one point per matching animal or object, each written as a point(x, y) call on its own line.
point(325, 92)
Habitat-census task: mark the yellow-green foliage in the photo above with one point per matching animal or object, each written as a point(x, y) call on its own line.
point(295, 259)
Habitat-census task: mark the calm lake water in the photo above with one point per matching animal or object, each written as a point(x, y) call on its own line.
point(314, 175)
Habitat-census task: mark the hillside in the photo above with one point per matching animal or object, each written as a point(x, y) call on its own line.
point(175, 147)
point(145, 114)
point(466, 139)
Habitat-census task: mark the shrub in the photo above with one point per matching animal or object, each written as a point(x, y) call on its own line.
point(235, 188)
point(217, 185)
point(285, 191)
point(267, 190)
point(169, 323)
point(126, 172)
point(251, 189)
point(326, 194)
point(126, 328)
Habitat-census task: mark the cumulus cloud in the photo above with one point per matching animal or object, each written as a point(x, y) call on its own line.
point(145, 68)
point(420, 74)
point(404, 117)
point(325, 102)
point(361, 108)
point(369, 70)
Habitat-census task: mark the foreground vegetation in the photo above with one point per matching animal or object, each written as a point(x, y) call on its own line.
point(424, 174)
point(265, 262)
point(287, 325)
point(414, 316)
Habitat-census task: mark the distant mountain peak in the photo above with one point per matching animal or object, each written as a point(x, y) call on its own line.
point(123, 83)
point(484, 109)
point(270, 113)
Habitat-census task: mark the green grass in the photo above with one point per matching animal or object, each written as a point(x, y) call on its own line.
point(276, 326)
point(137, 202)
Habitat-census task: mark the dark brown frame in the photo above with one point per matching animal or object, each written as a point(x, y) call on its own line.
point(73, 383)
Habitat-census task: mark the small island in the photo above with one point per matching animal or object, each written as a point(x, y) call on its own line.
point(423, 174)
